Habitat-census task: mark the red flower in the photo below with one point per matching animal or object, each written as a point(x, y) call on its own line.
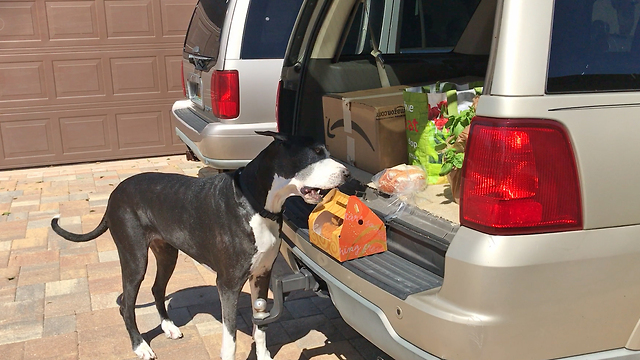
point(437, 111)
point(440, 122)
point(434, 112)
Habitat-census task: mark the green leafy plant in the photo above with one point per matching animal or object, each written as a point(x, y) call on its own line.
point(452, 159)
point(453, 147)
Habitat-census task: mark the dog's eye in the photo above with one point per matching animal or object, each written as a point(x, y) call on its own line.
point(319, 151)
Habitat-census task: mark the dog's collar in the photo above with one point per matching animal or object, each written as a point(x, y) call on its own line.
point(277, 217)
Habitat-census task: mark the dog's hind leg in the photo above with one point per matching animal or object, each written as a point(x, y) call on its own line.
point(229, 302)
point(133, 252)
point(259, 290)
point(166, 258)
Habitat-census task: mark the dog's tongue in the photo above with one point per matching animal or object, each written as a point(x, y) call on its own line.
point(309, 190)
point(312, 193)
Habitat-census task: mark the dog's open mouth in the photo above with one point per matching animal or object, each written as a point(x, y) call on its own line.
point(313, 195)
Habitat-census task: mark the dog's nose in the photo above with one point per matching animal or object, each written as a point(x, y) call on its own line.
point(346, 175)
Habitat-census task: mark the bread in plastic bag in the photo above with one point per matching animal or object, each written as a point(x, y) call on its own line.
point(401, 179)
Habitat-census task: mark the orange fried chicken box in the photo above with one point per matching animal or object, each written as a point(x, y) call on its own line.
point(345, 228)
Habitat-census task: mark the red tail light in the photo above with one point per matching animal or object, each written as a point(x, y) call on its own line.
point(519, 177)
point(278, 103)
point(184, 89)
point(225, 94)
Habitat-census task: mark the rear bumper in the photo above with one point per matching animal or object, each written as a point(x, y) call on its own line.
point(499, 300)
point(215, 163)
point(361, 314)
point(222, 145)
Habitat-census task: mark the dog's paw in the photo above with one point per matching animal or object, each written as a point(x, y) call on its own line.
point(171, 330)
point(144, 351)
point(265, 356)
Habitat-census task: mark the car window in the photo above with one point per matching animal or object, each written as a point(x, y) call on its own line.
point(595, 46)
point(425, 26)
point(302, 32)
point(268, 26)
point(434, 24)
point(366, 20)
point(203, 36)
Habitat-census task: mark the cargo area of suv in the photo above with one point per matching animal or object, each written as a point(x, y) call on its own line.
point(540, 260)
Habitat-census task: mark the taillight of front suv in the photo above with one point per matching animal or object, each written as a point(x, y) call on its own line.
point(519, 177)
point(225, 94)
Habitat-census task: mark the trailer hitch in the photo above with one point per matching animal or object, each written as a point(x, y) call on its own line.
point(302, 280)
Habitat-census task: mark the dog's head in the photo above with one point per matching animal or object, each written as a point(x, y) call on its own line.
point(302, 167)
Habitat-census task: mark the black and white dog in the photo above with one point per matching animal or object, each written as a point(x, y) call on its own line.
point(228, 222)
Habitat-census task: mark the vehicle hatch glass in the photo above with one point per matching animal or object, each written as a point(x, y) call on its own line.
point(595, 46)
point(203, 36)
point(434, 24)
point(301, 32)
point(425, 26)
point(268, 26)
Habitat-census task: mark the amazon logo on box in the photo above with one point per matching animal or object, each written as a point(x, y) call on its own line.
point(366, 128)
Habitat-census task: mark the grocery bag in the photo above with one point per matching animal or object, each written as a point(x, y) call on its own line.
point(426, 112)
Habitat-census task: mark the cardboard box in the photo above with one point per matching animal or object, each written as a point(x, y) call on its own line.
point(345, 228)
point(366, 128)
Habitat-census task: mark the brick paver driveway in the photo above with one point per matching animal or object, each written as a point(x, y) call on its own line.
point(58, 298)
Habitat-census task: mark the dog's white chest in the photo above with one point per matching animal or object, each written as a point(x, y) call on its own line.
point(265, 232)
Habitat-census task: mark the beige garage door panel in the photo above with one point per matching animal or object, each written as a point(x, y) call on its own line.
point(85, 77)
point(57, 79)
point(39, 23)
point(28, 137)
point(86, 80)
point(75, 135)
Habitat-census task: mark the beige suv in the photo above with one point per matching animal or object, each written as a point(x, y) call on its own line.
point(541, 259)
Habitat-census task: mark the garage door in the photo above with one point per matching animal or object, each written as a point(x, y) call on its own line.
point(87, 80)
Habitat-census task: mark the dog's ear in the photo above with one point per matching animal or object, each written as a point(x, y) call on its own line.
point(275, 135)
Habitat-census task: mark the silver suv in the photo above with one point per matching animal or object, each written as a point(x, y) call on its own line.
point(541, 259)
point(231, 65)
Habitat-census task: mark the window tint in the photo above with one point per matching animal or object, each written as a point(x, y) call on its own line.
point(296, 50)
point(595, 46)
point(366, 20)
point(203, 36)
point(268, 26)
point(434, 24)
point(425, 25)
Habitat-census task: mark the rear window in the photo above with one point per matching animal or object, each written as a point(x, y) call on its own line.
point(434, 24)
point(595, 46)
point(268, 26)
point(425, 26)
point(203, 36)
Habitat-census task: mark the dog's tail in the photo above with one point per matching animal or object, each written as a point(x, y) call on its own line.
point(102, 227)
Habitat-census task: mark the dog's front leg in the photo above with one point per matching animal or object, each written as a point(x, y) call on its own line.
point(259, 290)
point(229, 303)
